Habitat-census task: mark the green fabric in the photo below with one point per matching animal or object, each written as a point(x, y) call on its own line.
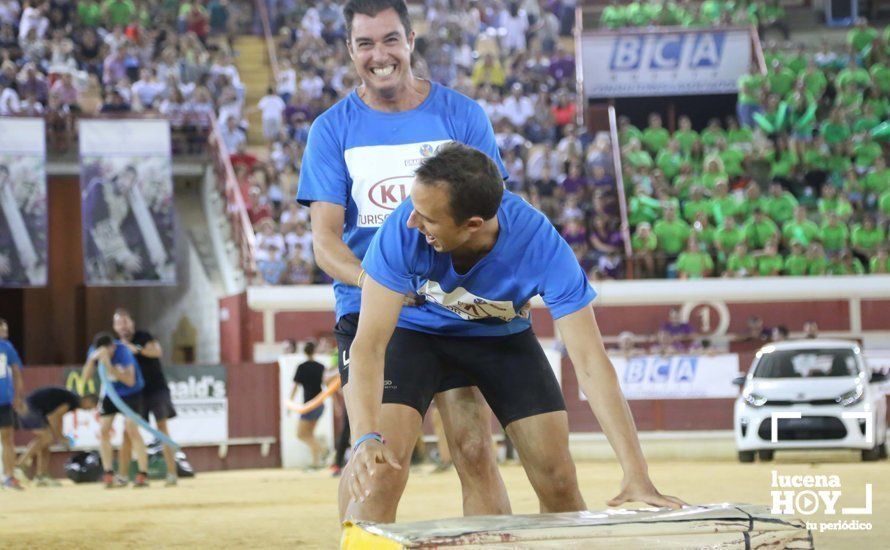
point(877, 181)
point(834, 133)
point(740, 135)
point(727, 239)
point(866, 240)
point(613, 17)
point(89, 13)
point(672, 236)
point(628, 133)
point(639, 159)
point(880, 75)
point(818, 266)
point(884, 203)
point(861, 38)
point(710, 136)
point(643, 209)
point(723, 207)
point(733, 160)
point(640, 245)
point(694, 264)
point(781, 209)
point(758, 233)
point(119, 12)
point(851, 98)
point(865, 124)
point(773, 123)
point(747, 206)
point(815, 159)
point(874, 264)
point(750, 88)
point(867, 153)
point(796, 265)
point(769, 265)
point(656, 139)
point(804, 231)
point(834, 238)
point(838, 268)
point(857, 76)
point(686, 139)
point(783, 167)
point(781, 82)
point(838, 164)
point(737, 263)
point(709, 179)
point(669, 163)
point(815, 83)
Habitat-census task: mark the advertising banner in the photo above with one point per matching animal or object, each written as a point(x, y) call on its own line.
point(23, 225)
point(199, 395)
point(677, 377)
point(642, 63)
point(126, 183)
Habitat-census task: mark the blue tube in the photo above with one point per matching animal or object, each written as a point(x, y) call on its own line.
point(130, 413)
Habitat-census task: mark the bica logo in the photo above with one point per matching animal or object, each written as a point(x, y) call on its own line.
point(426, 150)
point(661, 370)
point(390, 192)
point(667, 51)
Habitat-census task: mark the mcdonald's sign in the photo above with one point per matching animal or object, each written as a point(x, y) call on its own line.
point(75, 382)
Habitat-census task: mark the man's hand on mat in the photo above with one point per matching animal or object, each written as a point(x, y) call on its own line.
point(366, 462)
point(641, 489)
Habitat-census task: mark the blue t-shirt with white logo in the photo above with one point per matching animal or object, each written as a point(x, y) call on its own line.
point(9, 358)
point(123, 356)
point(364, 160)
point(492, 298)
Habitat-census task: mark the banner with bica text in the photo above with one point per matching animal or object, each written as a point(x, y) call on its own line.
point(677, 376)
point(642, 63)
point(126, 184)
point(199, 395)
point(23, 225)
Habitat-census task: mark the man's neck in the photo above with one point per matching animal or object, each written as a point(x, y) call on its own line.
point(472, 252)
point(408, 96)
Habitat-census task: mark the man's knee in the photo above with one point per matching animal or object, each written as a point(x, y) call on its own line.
point(472, 453)
point(105, 430)
point(556, 478)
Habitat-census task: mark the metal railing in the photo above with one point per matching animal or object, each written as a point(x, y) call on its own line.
point(236, 207)
point(270, 41)
point(619, 190)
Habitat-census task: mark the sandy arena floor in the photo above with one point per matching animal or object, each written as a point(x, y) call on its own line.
point(293, 509)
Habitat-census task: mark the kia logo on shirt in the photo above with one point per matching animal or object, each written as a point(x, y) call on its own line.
point(390, 192)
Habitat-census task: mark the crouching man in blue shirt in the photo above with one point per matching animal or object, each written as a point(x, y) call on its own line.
point(478, 254)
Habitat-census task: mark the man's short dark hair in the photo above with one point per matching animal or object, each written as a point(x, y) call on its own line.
point(371, 8)
point(475, 186)
point(122, 311)
point(103, 339)
point(309, 348)
point(89, 398)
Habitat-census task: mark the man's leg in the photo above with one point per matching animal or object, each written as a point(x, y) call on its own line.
point(441, 438)
point(400, 426)
point(543, 444)
point(306, 434)
point(131, 428)
point(169, 456)
point(124, 456)
point(106, 452)
point(467, 424)
point(41, 439)
point(6, 437)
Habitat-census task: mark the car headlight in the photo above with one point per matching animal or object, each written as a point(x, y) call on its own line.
point(754, 400)
point(851, 397)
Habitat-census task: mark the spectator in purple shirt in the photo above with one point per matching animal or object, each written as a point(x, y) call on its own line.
point(562, 66)
point(679, 331)
point(114, 68)
point(574, 183)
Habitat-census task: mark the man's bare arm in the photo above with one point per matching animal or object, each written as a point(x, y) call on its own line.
point(331, 253)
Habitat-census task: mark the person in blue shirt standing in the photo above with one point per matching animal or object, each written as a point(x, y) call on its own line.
point(478, 254)
point(11, 401)
point(126, 378)
point(358, 167)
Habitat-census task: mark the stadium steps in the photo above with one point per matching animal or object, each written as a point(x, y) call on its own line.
point(192, 217)
point(256, 74)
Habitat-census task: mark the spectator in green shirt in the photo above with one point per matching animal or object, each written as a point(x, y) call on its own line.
point(693, 263)
point(753, 200)
point(685, 135)
point(781, 79)
point(845, 264)
point(751, 91)
point(770, 262)
point(884, 205)
point(703, 230)
point(867, 237)
point(814, 80)
point(880, 77)
point(636, 156)
point(780, 204)
point(760, 230)
point(714, 172)
point(614, 15)
point(672, 233)
point(834, 234)
point(867, 152)
point(644, 244)
point(835, 129)
point(726, 237)
point(861, 36)
point(877, 179)
point(817, 263)
point(738, 135)
point(712, 133)
point(118, 13)
point(655, 136)
point(740, 263)
point(696, 203)
point(89, 12)
point(880, 263)
point(853, 74)
point(723, 204)
point(733, 159)
point(772, 16)
point(796, 263)
point(627, 131)
point(800, 229)
point(669, 160)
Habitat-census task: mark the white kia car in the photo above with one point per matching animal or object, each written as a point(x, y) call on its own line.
point(828, 383)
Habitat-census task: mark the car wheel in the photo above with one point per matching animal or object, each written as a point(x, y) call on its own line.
point(870, 455)
point(748, 456)
point(765, 455)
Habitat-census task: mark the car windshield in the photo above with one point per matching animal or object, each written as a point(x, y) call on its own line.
point(807, 363)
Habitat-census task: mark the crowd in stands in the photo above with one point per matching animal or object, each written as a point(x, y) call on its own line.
point(60, 57)
point(688, 13)
point(797, 184)
point(514, 58)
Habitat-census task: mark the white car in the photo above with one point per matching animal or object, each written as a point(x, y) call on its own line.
point(821, 380)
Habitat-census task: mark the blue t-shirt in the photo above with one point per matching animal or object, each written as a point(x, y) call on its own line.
point(123, 356)
point(8, 359)
point(364, 160)
point(492, 298)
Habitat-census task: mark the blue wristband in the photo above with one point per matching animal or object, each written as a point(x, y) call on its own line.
point(366, 437)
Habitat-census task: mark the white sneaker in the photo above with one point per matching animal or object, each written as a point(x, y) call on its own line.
point(171, 481)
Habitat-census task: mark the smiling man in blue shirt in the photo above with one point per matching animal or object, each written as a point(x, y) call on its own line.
point(478, 254)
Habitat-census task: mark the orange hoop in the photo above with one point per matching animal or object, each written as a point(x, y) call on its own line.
point(316, 401)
